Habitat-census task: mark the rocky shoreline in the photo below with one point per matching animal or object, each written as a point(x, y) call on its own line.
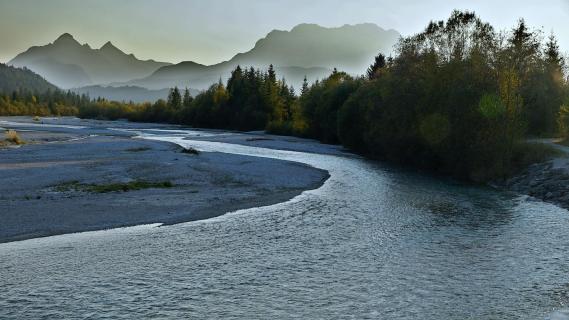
point(548, 181)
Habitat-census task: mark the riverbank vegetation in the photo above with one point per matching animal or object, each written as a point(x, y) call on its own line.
point(458, 98)
point(112, 187)
point(12, 138)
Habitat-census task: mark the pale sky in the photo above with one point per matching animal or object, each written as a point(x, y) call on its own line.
point(209, 31)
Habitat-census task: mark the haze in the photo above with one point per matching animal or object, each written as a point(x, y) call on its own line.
point(215, 30)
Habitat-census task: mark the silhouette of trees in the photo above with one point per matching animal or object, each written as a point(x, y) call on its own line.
point(175, 98)
point(187, 100)
point(374, 70)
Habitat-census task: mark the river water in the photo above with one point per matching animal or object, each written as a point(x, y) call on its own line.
point(374, 242)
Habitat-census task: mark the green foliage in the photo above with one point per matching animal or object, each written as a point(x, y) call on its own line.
point(251, 100)
point(187, 101)
point(321, 103)
point(454, 99)
point(374, 71)
point(49, 103)
point(16, 79)
point(491, 106)
point(175, 98)
point(434, 129)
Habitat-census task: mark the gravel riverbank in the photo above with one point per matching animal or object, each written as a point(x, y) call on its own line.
point(49, 185)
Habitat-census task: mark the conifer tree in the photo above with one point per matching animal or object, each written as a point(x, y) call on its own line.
point(175, 98)
point(374, 70)
point(304, 89)
point(187, 98)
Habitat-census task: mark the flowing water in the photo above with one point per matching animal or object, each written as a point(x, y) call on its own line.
point(374, 242)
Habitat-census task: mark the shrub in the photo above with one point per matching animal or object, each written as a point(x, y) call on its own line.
point(13, 137)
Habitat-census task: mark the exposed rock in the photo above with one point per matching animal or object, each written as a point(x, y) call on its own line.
point(544, 181)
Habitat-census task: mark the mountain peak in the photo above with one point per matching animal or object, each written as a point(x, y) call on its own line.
point(65, 38)
point(109, 48)
point(108, 45)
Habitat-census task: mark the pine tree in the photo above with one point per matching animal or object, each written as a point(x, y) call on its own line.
point(175, 98)
point(271, 75)
point(304, 89)
point(374, 70)
point(187, 98)
point(552, 54)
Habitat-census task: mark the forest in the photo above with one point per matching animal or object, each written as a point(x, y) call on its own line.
point(459, 98)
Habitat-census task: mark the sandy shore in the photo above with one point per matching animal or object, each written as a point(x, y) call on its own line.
point(38, 196)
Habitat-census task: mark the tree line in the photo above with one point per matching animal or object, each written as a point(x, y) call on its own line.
point(458, 98)
point(53, 102)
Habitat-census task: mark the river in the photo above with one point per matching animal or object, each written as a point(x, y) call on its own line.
point(374, 242)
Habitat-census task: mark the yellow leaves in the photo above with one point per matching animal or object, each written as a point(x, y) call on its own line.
point(563, 121)
point(509, 86)
point(220, 95)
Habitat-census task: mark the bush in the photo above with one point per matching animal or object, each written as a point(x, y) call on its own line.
point(13, 137)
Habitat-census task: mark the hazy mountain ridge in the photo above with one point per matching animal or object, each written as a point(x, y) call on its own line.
point(192, 75)
point(350, 48)
point(15, 79)
point(307, 49)
point(68, 64)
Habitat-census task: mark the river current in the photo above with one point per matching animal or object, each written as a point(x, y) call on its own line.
point(374, 242)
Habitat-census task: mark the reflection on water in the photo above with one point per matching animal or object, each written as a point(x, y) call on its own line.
point(373, 242)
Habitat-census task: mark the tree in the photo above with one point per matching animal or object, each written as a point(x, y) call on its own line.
point(187, 101)
point(524, 49)
point(374, 70)
point(272, 76)
point(175, 98)
point(553, 58)
point(304, 86)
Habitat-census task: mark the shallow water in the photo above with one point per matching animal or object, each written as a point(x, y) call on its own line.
point(374, 242)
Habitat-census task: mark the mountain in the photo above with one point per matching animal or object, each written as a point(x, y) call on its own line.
point(67, 63)
point(14, 79)
point(307, 49)
point(191, 74)
point(350, 48)
point(126, 93)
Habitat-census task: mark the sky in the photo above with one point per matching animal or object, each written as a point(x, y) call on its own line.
point(210, 31)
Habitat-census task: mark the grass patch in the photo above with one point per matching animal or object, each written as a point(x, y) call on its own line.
point(67, 186)
point(113, 187)
point(190, 150)
point(140, 149)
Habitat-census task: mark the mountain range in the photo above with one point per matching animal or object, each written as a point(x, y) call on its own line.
point(66, 63)
point(306, 50)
